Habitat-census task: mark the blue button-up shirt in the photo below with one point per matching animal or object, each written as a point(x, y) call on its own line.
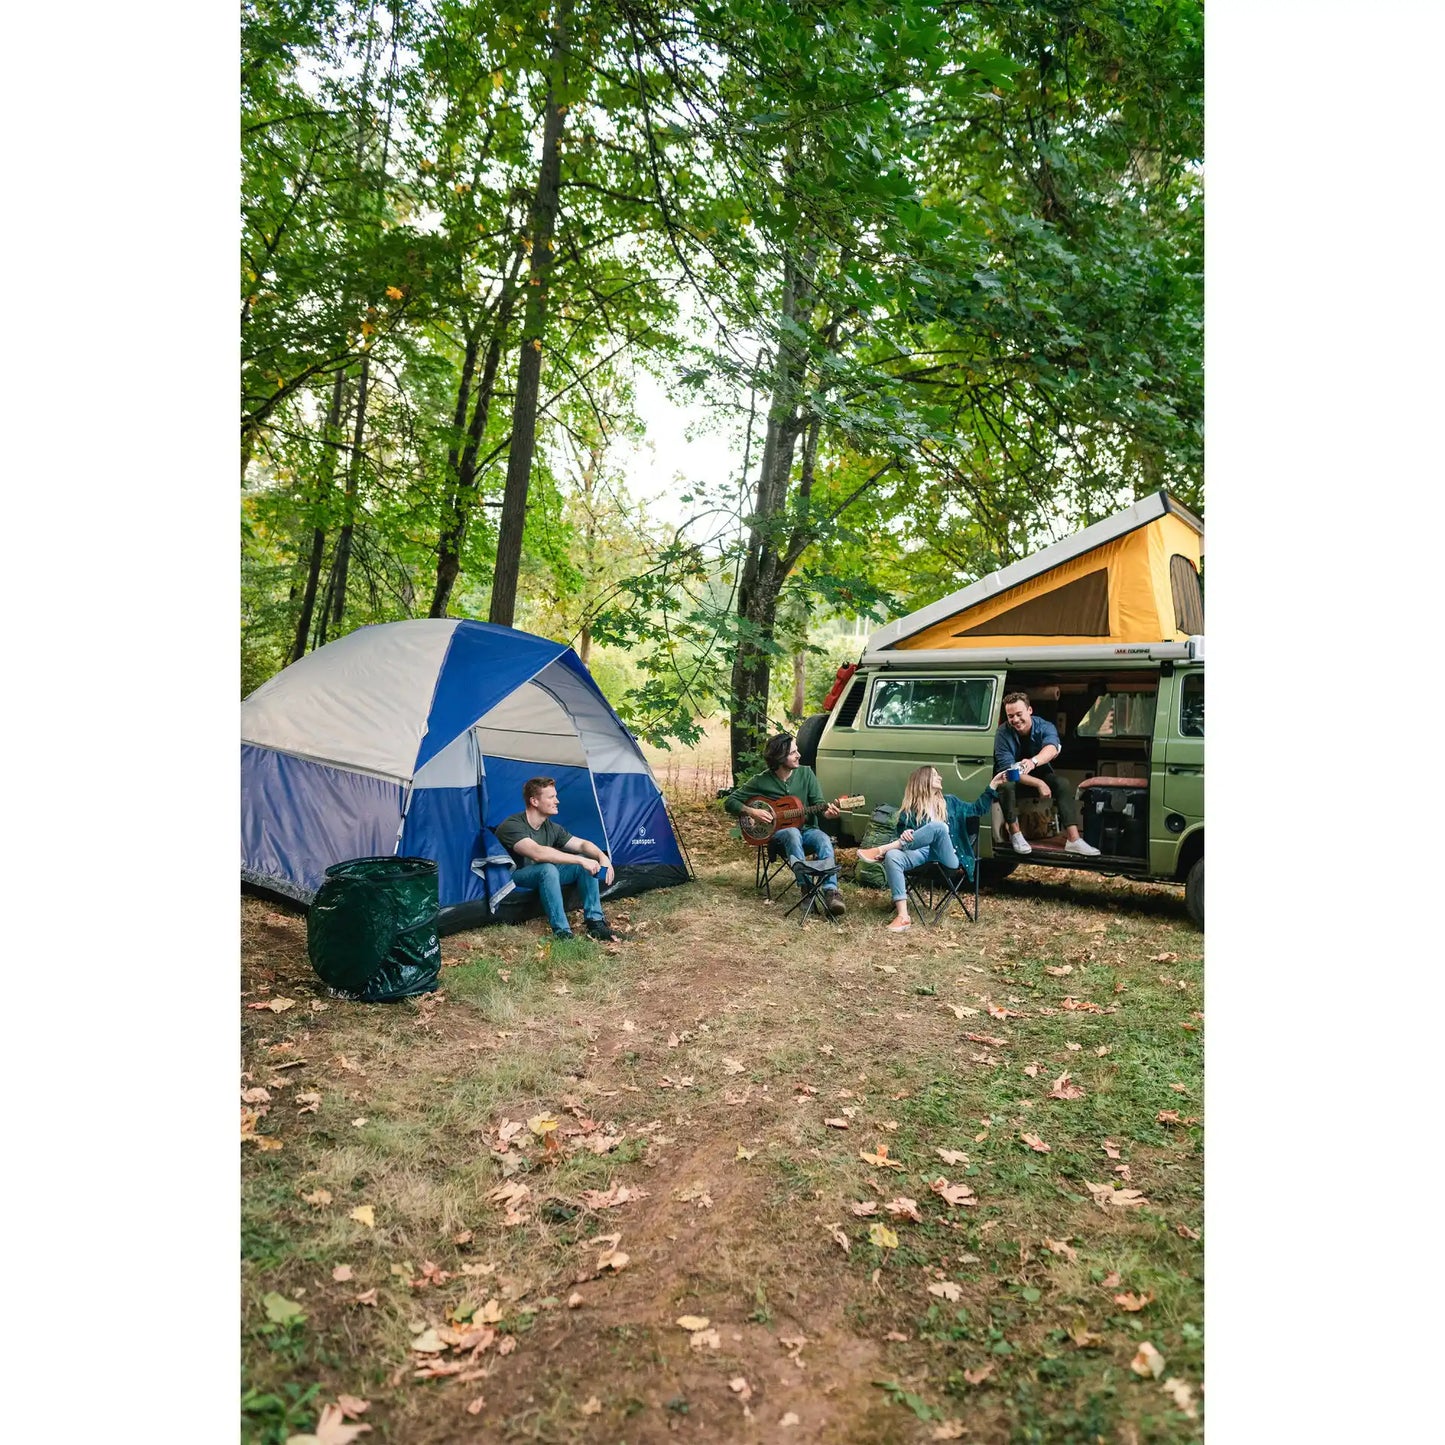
point(1009, 746)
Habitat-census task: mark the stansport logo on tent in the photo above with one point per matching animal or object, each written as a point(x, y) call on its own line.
point(640, 839)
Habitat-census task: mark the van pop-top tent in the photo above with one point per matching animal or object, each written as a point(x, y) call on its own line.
point(1132, 578)
point(414, 738)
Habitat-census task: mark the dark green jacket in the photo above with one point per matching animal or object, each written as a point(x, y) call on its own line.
point(958, 810)
point(802, 784)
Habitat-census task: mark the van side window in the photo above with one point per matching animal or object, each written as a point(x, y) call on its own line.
point(1191, 706)
point(918, 702)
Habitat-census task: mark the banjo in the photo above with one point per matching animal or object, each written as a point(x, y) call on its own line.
point(787, 812)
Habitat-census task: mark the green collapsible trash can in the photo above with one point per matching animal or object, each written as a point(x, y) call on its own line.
point(371, 933)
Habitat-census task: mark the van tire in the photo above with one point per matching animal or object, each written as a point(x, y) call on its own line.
point(992, 871)
point(809, 731)
point(1194, 894)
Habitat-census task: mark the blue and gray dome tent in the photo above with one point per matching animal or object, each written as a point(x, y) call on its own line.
point(415, 738)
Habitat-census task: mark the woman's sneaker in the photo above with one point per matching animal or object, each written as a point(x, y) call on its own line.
point(1077, 845)
point(1020, 843)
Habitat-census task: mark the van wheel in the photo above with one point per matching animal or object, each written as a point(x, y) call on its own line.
point(809, 731)
point(992, 871)
point(1194, 894)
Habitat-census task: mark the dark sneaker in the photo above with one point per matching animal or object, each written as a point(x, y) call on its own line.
point(835, 904)
point(563, 933)
point(597, 928)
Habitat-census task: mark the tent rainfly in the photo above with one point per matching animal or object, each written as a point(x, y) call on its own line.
point(1131, 578)
point(415, 738)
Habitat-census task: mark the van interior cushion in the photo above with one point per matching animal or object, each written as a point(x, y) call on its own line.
point(1111, 782)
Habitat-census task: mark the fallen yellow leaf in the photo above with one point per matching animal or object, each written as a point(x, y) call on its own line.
point(882, 1236)
point(1182, 1394)
point(693, 1322)
point(1148, 1363)
point(364, 1214)
point(880, 1159)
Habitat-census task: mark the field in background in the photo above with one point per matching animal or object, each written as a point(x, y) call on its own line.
point(693, 775)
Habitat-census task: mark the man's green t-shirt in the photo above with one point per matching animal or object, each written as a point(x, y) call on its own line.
point(802, 784)
point(511, 831)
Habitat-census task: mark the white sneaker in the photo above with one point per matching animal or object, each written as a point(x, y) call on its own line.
point(1020, 843)
point(1077, 845)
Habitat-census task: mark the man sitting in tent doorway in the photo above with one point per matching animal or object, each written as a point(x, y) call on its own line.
point(548, 858)
point(787, 776)
point(1031, 744)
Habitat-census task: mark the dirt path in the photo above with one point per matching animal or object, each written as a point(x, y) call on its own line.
point(733, 1068)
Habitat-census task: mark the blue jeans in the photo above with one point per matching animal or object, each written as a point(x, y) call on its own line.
point(930, 842)
point(793, 844)
point(549, 879)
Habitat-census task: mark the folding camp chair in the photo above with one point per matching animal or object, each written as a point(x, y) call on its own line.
point(771, 861)
point(931, 888)
point(811, 876)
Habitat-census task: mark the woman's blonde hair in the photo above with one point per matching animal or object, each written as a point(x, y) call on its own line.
point(922, 798)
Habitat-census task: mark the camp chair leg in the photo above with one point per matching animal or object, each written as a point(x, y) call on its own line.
point(769, 865)
point(931, 894)
point(812, 897)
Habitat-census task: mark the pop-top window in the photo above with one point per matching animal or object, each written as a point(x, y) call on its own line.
point(1191, 706)
point(918, 702)
point(1188, 596)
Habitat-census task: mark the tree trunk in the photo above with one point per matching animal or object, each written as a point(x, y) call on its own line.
point(318, 534)
point(529, 366)
point(353, 482)
point(463, 498)
point(763, 574)
point(449, 538)
point(800, 683)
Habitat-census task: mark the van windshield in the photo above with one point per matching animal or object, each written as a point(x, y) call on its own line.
point(1119, 715)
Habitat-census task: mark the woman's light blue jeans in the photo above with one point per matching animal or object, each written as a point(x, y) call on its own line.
point(930, 842)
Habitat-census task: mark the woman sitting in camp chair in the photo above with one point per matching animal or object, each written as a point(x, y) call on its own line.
point(928, 831)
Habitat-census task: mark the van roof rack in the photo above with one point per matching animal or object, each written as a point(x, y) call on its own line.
point(1126, 654)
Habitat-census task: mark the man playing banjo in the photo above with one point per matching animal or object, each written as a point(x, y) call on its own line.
point(786, 777)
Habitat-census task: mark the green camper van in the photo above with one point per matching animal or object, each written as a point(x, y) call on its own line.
point(929, 688)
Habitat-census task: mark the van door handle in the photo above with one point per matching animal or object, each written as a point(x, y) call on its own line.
point(1183, 768)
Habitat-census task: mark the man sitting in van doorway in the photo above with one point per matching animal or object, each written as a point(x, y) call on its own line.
point(1031, 744)
point(786, 775)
